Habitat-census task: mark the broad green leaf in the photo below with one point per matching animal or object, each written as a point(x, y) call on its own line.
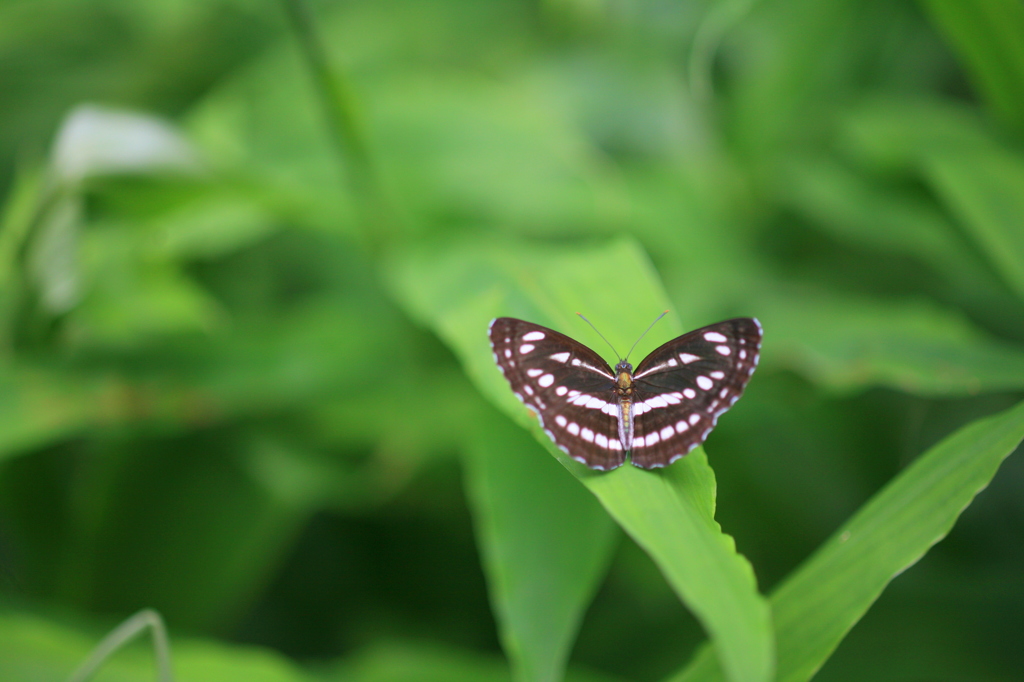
point(846, 343)
point(546, 545)
point(388, 661)
point(824, 597)
point(984, 188)
point(853, 208)
point(38, 406)
point(260, 366)
point(895, 220)
point(894, 135)
point(987, 34)
point(33, 649)
point(405, 662)
point(670, 513)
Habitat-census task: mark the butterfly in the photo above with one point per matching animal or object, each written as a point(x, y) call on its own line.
point(655, 415)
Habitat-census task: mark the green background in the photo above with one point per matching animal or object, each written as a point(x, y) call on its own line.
point(248, 254)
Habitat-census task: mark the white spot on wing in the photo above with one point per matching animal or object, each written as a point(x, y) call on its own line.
point(533, 336)
point(656, 401)
point(723, 350)
point(667, 432)
point(652, 438)
point(687, 358)
point(534, 372)
point(694, 418)
point(560, 420)
point(682, 426)
point(610, 409)
point(560, 357)
point(690, 393)
point(717, 375)
point(672, 362)
point(743, 354)
point(525, 348)
point(546, 380)
point(587, 435)
point(573, 394)
point(601, 440)
point(715, 337)
point(561, 390)
point(528, 388)
point(704, 383)
point(508, 352)
point(595, 403)
point(573, 428)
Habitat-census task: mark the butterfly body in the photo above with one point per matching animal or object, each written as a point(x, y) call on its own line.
point(624, 389)
point(655, 415)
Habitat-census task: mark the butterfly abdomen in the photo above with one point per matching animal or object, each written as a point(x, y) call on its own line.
point(626, 424)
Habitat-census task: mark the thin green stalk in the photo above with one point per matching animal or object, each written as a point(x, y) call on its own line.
point(347, 135)
point(124, 633)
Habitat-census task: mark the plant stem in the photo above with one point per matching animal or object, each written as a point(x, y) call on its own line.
point(346, 133)
point(124, 633)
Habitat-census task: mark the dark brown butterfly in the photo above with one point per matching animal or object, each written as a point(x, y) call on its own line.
point(657, 414)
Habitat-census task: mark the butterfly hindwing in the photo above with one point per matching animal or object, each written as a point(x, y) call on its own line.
point(686, 384)
point(568, 385)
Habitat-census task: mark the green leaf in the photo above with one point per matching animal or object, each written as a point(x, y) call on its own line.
point(546, 545)
point(848, 205)
point(984, 187)
point(32, 649)
point(846, 343)
point(389, 661)
point(670, 513)
point(987, 35)
point(405, 662)
point(817, 604)
point(894, 135)
point(38, 406)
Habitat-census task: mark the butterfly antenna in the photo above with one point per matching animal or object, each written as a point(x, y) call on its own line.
point(601, 335)
point(645, 333)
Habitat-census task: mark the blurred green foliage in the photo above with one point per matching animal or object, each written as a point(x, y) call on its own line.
point(244, 375)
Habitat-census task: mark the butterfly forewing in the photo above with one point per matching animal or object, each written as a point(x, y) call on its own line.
point(685, 385)
point(569, 386)
point(679, 390)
